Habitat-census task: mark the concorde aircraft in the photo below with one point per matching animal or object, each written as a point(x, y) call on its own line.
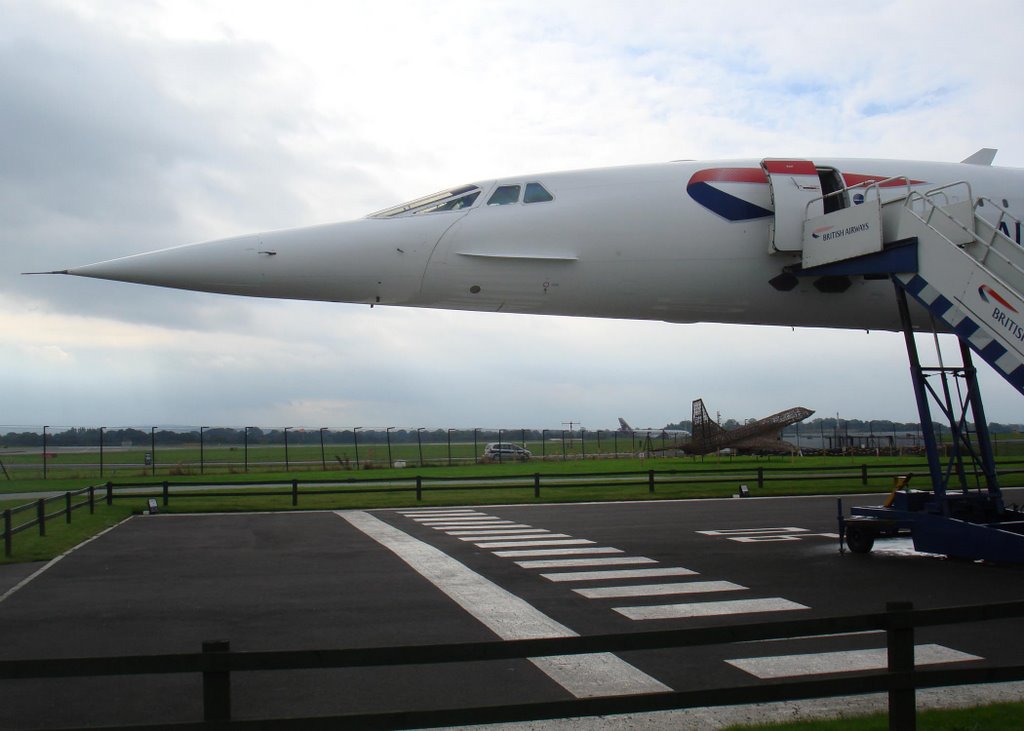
point(845, 243)
point(759, 241)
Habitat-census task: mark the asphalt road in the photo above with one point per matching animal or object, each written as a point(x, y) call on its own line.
point(163, 584)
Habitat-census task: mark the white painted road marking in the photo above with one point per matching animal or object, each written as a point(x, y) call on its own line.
point(679, 587)
point(565, 563)
point(709, 609)
point(522, 543)
point(765, 535)
point(514, 537)
point(467, 523)
point(508, 530)
point(618, 574)
point(788, 666)
point(556, 552)
point(508, 616)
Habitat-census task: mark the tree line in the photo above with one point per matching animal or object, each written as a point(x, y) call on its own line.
point(116, 437)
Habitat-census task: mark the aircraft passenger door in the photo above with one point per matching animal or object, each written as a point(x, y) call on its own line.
point(793, 184)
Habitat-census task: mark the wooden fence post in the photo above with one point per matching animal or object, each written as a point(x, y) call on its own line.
point(216, 681)
point(295, 493)
point(67, 506)
point(900, 647)
point(536, 484)
point(41, 516)
point(7, 532)
point(650, 481)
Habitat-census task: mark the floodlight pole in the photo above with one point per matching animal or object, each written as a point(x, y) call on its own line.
point(387, 435)
point(323, 459)
point(419, 443)
point(355, 442)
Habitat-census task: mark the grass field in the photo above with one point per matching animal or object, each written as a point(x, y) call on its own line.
point(121, 463)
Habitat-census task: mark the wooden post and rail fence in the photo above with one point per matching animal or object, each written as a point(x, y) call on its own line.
point(219, 667)
point(39, 512)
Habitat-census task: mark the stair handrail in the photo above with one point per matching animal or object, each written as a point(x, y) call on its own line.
point(929, 208)
point(987, 246)
point(867, 185)
point(1005, 217)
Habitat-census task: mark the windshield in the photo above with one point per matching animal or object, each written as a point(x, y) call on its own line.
point(446, 200)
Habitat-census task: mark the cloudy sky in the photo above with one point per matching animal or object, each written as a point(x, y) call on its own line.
point(136, 125)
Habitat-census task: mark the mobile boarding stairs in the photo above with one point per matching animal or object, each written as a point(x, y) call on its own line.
point(949, 251)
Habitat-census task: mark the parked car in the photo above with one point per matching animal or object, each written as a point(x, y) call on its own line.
point(506, 451)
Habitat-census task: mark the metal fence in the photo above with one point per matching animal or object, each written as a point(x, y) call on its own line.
point(53, 452)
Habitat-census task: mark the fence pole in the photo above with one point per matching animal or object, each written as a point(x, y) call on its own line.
point(419, 488)
point(536, 484)
point(67, 506)
point(7, 532)
point(167, 492)
point(110, 493)
point(863, 474)
point(760, 478)
point(216, 682)
point(41, 516)
point(295, 493)
point(650, 481)
point(900, 649)
point(92, 499)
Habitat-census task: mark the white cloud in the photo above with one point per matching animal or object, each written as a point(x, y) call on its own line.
point(132, 126)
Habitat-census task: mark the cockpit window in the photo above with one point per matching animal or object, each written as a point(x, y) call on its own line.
point(504, 195)
point(536, 193)
point(445, 200)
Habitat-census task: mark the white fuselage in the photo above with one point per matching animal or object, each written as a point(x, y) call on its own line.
point(681, 242)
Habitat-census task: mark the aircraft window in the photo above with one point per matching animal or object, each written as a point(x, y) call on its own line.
point(536, 193)
point(451, 205)
point(445, 200)
point(504, 195)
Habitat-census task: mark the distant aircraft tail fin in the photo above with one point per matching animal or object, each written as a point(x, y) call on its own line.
point(984, 156)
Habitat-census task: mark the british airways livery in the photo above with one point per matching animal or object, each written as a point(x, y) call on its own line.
point(837, 243)
point(680, 241)
point(767, 242)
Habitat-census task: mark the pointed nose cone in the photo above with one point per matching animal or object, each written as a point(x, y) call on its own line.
point(361, 261)
point(230, 266)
